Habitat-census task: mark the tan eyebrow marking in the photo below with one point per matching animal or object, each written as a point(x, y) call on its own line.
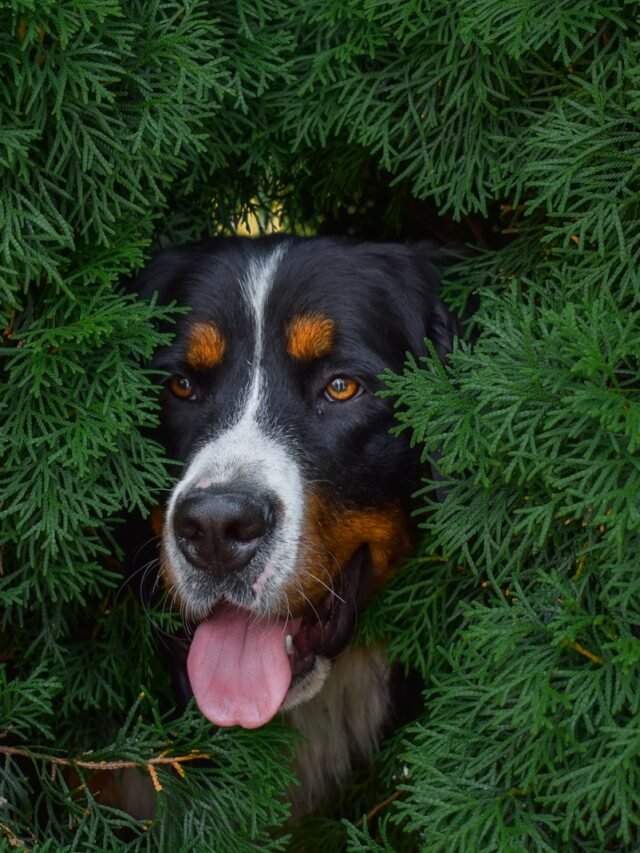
point(310, 336)
point(206, 346)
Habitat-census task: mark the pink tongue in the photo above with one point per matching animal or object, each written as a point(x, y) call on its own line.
point(238, 667)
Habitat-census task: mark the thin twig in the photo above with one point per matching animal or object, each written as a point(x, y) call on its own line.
point(378, 808)
point(174, 761)
point(577, 647)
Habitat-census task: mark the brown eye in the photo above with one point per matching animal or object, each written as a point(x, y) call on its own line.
point(342, 388)
point(181, 387)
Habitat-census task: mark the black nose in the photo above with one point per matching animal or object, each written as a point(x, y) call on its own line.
point(221, 530)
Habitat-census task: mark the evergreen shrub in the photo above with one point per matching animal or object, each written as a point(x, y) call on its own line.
point(512, 126)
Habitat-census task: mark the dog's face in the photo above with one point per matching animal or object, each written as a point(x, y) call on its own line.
point(292, 507)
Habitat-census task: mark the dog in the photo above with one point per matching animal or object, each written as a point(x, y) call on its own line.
point(294, 503)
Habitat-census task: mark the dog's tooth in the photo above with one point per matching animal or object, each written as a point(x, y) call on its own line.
point(288, 644)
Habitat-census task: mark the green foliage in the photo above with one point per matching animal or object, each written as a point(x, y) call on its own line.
point(124, 126)
point(421, 601)
point(223, 806)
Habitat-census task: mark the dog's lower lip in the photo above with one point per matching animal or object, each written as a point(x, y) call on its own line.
point(329, 627)
point(304, 668)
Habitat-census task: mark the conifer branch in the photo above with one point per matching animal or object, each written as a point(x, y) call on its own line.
point(176, 762)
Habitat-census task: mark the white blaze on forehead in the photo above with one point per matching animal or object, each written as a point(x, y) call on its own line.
point(255, 287)
point(246, 451)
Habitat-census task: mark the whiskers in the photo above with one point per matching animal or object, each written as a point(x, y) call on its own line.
point(138, 578)
point(302, 594)
point(321, 552)
point(328, 586)
point(187, 621)
point(148, 592)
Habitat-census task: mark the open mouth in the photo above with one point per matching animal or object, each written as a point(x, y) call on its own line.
point(328, 628)
point(241, 667)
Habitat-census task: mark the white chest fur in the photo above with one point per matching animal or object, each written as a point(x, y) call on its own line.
point(345, 720)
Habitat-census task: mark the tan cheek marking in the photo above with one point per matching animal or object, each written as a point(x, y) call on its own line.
point(157, 519)
point(310, 336)
point(332, 537)
point(167, 574)
point(205, 347)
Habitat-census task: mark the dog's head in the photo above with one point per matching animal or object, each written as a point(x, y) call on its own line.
point(293, 505)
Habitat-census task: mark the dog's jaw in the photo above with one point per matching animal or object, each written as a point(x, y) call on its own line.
point(309, 686)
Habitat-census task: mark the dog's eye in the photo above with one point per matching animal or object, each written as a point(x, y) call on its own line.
point(342, 388)
point(181, 387)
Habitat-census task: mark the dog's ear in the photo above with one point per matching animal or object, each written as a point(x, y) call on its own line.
point(438, 323)
point(163, 270)
point(441, 326)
